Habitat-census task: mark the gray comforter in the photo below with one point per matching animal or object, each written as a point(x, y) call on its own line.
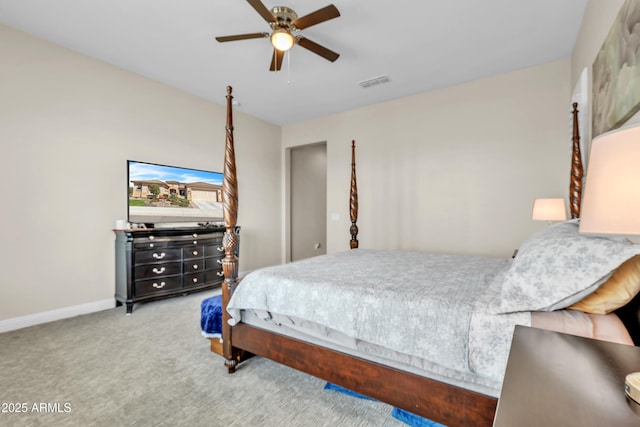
point(432, 306)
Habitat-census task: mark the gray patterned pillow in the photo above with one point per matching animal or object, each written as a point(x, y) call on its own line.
point(557, 267)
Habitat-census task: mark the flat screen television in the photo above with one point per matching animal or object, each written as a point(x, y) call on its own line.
point(164, 195)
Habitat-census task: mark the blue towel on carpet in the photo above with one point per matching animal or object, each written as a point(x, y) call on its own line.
point(331, 386)
point(408, 418)
point(211, 315)
point(412, 419)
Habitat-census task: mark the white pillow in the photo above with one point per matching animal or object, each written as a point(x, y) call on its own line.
point(557, 267)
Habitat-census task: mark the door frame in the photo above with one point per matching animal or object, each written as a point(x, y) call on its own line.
point(286, 225)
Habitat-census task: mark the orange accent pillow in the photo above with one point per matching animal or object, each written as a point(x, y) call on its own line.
point(619, 289)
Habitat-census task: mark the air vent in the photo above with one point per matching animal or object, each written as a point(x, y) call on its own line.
point(374, 81)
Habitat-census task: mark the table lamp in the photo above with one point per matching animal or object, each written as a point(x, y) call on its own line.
point(549, 210)
point(611, 199)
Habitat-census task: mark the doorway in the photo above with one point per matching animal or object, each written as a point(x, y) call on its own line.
point(308, 200)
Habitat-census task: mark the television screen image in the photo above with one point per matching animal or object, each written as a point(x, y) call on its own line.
point(160, 194)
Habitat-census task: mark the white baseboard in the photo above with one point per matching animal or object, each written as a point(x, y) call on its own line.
point(50, 316)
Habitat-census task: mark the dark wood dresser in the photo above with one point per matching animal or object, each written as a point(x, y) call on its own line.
point(160, 263)
point(555, 379)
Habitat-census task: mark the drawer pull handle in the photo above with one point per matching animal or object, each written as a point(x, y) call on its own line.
point(152, 237)
point(150, 245)
point(195, 266)
point(195, 280)
point(159, 286)
point(195, 235)
point(219, 261)
point(155, 270)
point(220, 249)
point(195, 242)
point(159, 256)
point(195, 252)
point(220, 273)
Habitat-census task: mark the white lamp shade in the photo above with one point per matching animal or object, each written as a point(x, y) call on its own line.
point(611, 200)
point(549, 210)
point(282, 40)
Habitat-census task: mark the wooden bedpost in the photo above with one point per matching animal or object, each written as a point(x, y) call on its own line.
point(230, 239)
point(353, 199)
point(575, 184)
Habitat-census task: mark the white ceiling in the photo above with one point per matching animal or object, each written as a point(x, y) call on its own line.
point(419, 45)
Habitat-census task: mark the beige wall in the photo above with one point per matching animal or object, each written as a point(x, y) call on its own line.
point(68, 124)
point(453, 170)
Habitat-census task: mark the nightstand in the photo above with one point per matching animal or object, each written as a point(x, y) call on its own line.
point(555, 379)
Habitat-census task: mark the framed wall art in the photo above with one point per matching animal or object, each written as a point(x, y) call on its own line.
point(616, 72)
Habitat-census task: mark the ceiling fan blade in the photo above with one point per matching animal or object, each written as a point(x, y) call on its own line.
point(318, 49)
point(276, 60)
point(242, 37)
point(320, 15)
point(262, 10)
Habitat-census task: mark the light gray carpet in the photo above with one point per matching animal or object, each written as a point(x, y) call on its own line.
point(154, 368)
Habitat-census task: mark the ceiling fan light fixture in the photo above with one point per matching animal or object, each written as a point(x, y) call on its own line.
point(282, 40)
point(284, 23)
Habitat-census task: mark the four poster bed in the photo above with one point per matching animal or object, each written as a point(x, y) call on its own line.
point(384, 346)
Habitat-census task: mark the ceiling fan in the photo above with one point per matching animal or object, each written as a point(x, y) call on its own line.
point(284, 23)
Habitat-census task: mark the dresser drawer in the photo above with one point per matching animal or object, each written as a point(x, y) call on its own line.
point(193, 265)
point(152, 242)
point(151, 271)
point(213, 276)
point(213, 249)
point(153, 286)
point(213, 263)
point(186, 241)
point(193, 279)
point(157, 255)
point(196, 251)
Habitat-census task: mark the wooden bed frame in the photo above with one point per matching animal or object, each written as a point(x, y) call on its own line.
point(437, 401)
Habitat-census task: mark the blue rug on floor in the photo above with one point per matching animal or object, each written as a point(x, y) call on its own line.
point(408, 418)
point(331, 386)
point(412, 419)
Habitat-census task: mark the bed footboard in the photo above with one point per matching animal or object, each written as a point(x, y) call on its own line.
point(422, 396)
